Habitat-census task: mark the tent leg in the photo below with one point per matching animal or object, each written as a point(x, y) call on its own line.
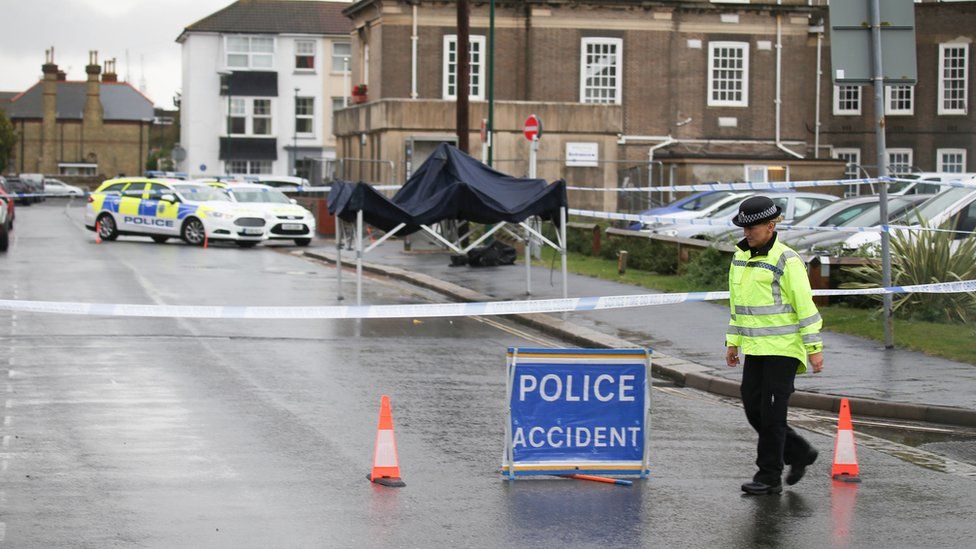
point(359, 257)
point(562, 250)
point(528, 263)
point(338, 259)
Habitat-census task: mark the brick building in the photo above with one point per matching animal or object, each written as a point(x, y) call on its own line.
point(97, 127)
point(929, 126)
point(693, 90)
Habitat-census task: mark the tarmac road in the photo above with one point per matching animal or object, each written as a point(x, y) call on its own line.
point(170, 433)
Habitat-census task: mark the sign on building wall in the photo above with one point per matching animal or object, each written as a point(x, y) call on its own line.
point(582, 155)
point(577, 411)
point(850, 41)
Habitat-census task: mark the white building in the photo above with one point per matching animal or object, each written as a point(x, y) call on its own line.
point(260, 81)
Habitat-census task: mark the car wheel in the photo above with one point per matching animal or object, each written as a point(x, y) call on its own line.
point(246, 243)
point(303, 241)
point(159, 239)
point(106, 227)
point(193, 232)
point(4, 237)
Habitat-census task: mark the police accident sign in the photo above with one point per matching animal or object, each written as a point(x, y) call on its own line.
point(577, 411)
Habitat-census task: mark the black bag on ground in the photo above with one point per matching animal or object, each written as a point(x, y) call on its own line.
point(496, 253)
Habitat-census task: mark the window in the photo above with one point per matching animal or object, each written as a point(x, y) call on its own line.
point(805, 205)
point(728, 80)
point(261, 123)
point(853, 159)
point(304, 115)
point(757, 173)
point(899, 99)
point(953, 78)
point(156, 191)
point(899, 161)
point(115, 188)
point(250, 52)
point(305, 55)
point(135, 190)
point(966, 222)
point(600, 70)
point(258, 123)
point(847, 100)
point(246, 167)
point(341, 52)
point(951, 160)
point(476, 48)
point(366, 64)
point(237, 121)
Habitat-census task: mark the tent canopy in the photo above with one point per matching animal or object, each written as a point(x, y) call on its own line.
point(450, 185)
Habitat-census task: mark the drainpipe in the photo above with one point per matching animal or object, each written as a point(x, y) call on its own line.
point(816, 125)
point(668, 141)
point(413, 55)
point(779, 79)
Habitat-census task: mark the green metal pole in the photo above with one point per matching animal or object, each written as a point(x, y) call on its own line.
point(491, 80)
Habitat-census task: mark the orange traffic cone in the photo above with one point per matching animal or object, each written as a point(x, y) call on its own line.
point(206, 241)
point(845, 467)
point(98, 232)
point(386, 465)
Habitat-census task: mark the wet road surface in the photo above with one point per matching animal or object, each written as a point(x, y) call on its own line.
point(167, 433)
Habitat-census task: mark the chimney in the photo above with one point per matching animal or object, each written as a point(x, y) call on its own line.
point(62, 76)
point(110, 75)
point(49, 104)
point(93, 103)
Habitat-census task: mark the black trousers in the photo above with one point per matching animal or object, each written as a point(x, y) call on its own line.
point(767, 383)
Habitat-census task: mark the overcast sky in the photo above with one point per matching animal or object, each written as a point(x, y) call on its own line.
point(147, 29)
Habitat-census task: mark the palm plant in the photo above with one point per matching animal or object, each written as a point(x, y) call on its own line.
point(925, 257)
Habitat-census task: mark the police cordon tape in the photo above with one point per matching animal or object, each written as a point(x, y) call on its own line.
point(751, 186)
point(87, 193)
point(429, 310)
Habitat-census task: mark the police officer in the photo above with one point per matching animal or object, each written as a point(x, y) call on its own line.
point(777, 327)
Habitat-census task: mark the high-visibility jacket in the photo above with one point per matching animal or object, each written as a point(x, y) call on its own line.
point(772, 309)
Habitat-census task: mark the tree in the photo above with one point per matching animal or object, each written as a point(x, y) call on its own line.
point(8, 138)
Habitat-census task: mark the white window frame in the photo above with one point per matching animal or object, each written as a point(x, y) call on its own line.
point(250, 53)
point(313, 54)
point(339, 67)
point(269, 116)
point(251, 167)
point(366, 64)
point(853, 156)
point(744, 101)
point(838, 111)
point(248, 115)
point(942, 110)
point(618, 76)
point(309, 117)
point(477, 70)
point(910, 164)
point(890, 100)
point(940, 160)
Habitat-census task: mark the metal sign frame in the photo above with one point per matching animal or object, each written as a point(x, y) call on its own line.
point(629, 357)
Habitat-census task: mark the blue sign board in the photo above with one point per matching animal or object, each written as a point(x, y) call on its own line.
point(577, 411)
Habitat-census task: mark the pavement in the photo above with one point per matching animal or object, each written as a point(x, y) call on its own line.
point(688, 339)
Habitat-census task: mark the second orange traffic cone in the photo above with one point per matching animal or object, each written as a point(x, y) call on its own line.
point(845, 454)
point(386, 464)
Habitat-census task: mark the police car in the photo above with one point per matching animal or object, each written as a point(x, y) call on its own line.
point(286, 219)
point(163, 209)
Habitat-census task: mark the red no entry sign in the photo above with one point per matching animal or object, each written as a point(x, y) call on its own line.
point(533, 128)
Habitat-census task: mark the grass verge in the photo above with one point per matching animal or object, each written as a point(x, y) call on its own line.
point(951, 341)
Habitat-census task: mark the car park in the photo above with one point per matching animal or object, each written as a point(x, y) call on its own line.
point(58, 187)
point(287, 220)
point(792, 204)
point(164, 209)
point(11, 210)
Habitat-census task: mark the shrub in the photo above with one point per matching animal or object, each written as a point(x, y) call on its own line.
point(925, 257)
point(709, 269)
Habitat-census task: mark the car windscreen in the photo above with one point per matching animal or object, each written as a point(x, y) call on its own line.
point(938, 203)
point(705, 201)
point(872, 216)
point(263, 196)
point(202, 193)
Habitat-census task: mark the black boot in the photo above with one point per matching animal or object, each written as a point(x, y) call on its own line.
point(756, 488)
point(797, 470)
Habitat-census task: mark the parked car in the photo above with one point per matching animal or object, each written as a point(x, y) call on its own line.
point(955, 206)
point(283, 182)
point(705, 207)
point(56, 186)
point(899, 207)
point(793, 204)
point(4, 226)
point(919, 186)
point(6, 193)
point(35, 182)
point(21, 188)
point(831, 215)
point(288, 220)
point(692, 202)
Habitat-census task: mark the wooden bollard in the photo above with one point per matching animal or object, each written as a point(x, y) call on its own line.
point(622, 261)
